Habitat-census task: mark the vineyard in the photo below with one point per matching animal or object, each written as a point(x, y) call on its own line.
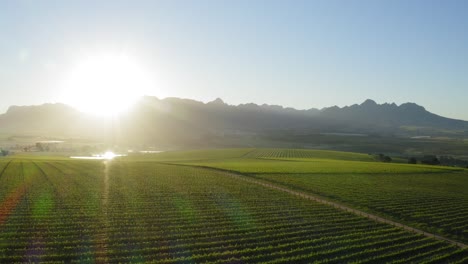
point(138, 209)
point(436, 203)
point(308, 154)
point(431, 198)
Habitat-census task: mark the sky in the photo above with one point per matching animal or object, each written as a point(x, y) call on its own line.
point(301, 54)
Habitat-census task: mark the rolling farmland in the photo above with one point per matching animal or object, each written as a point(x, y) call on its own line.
point(138, 209)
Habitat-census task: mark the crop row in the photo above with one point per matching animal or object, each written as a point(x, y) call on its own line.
point(142, 211)
point(308, 154)
point(434, 202)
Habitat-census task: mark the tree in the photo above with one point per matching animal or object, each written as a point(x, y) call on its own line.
point(387, 159)
point(39, 146)
point(412, 160)
point(430, 160)
point(383, 158)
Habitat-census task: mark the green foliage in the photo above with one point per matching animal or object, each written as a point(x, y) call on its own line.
point(436, 202)
point(415, 194)
point(383, 158)
point(451, 161)
point(430, 160)
point(132, 210)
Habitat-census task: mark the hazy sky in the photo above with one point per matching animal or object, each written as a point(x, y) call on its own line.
point(301, 54)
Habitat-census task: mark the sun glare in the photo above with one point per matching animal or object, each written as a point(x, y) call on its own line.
point(109, 155)
point(106, 84)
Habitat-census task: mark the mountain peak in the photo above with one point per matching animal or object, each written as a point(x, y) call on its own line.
point(217, 101)
point(369, 102)
point(412, 106)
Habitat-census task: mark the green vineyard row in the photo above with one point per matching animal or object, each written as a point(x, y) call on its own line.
point(142, 211)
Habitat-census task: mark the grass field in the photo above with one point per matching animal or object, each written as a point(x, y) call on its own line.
point(139, 209)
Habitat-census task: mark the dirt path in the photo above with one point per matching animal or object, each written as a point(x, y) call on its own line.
point(345, 208)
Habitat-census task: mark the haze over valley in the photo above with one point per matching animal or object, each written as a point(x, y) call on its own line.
point(175, 123)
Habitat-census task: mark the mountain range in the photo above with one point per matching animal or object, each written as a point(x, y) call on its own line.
point(169, 121)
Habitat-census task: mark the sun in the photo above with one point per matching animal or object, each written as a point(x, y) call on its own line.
point(106, 84)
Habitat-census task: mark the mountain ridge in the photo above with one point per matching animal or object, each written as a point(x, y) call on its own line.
point(220, 102)
point(175, 120)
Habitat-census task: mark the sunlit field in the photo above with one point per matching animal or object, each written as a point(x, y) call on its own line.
point(165, 208)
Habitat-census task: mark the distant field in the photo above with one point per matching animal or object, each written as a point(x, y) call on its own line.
point(192, 155)
point(323, 166)
point(137, 209)
point(307, 154)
